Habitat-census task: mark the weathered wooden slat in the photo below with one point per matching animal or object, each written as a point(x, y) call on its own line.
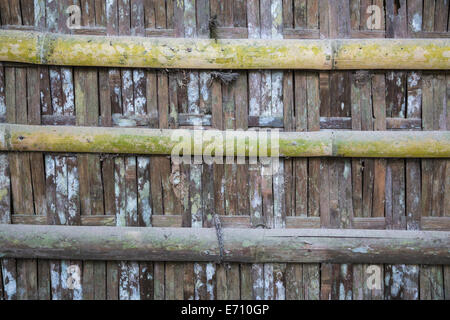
point(186, 119)
point(91, 50)
point(435, 223)
point(99, 220)
point(434, 144)
point(200, 244)
point(290, 33)
point(243, 221)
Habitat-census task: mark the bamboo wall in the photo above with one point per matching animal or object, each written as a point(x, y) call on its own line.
point(73, 189)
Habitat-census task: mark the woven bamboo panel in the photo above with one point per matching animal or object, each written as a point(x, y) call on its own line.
point(76, 189)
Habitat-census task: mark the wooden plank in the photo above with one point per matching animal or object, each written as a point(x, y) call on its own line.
point(379, 108)
point(142, 108)
point(62, 196)
point(279, 269)
point(91, 187)
point(28, 269)
point(357, 168)
point(428, 15)
point(427, 223)
point(396, 21)
point(431, 283)
point(110, 102)
point(435, 223)
point(447, 194)
point(15, 97)
point(324, 182)
point(396, 276)
point(441, 15)
point(337, 280)
point(413, 181)
point(289, 122)
point(415, 18)
point(432, 278)
point(125, 173)
point(255, 190)
point(8, 266)
point(38, 171)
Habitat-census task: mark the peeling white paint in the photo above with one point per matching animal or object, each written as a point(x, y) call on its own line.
point(55, 79)
point(416, 22)
point(258, 283)
point(360, 250)
point(127, 86)
point(205, 78)
point(61, 186)
point(140, 101)
point(73, 191)
point(268, 282)
point(193, 94)
point(67, 86)
point(144, 193)
point(279, 285)
point(210, 272)
point(129, 281)
point(55, 281)
point(9, 283)
point(189, 19)
point(198, 270)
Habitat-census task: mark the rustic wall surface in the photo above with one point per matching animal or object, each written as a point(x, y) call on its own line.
point(71, 189)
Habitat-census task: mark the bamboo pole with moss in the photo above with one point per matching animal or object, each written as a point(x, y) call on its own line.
point(239, 245)
point(384, 144)
point(141, 52)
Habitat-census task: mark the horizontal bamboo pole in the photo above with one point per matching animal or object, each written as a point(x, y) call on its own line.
point(326, 54)
point(384, 144)
point(240, 245)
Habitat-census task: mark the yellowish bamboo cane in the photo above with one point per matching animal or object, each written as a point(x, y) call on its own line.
point(327, 54)
point(386, 144)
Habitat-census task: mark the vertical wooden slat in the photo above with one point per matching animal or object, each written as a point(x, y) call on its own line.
point(125, 168)
point(61, 172)
point(311, 272)
point(300, 14)
point(441, 15)
point(110, 99)
point(21, 182)
point(428, 15)
point(295, 190)
point(397, 276)
point(8, 266)
point(335, 175)
point(355, 14)
point(413, 181)
point(361, 272)
point(447, 191)
point(433, 177)
point(5, 14)
point(415, 8)
point(15, 16)
point(254, 89)
point(91, 187)
point(38, 168)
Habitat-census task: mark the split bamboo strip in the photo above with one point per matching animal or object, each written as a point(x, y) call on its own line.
point(385, 144)
point(240, 245)
point(326, 54)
